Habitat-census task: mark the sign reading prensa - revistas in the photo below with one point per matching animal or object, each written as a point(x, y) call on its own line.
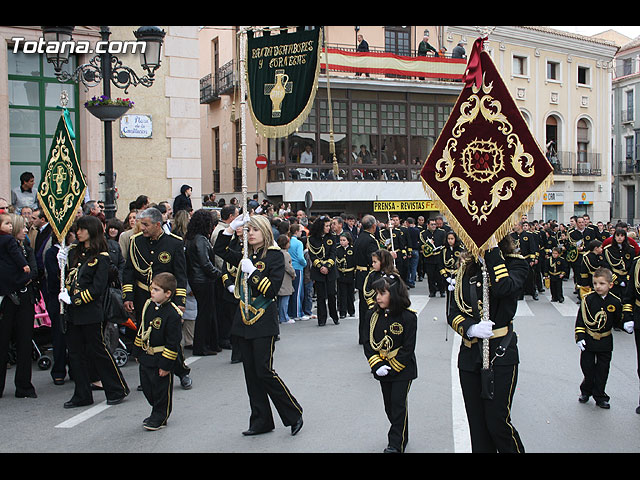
point(282, 78)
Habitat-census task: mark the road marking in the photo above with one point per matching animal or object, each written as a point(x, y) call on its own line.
point(569, 308)
point(523, 309)
point(460, 425)
point(81, 417)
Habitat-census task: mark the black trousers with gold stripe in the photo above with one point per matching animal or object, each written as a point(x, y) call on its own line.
point(395, 396)
point(86, 346)
point(159, 393)
point(263, 383)
point(490, 420)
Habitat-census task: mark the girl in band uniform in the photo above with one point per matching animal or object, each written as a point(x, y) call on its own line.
point(256, 325)
point(87, 276)
point(390, 351)
point(346, 263)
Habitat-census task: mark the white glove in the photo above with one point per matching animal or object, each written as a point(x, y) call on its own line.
point(628, 326)
point(63, 296)
point(581, 344)
point(383, 370)
point(231, 288)
point(63, 254)
point(452, 284)
point(239, 221)
point(622, 284)
point(247, 266)
point(481, 330)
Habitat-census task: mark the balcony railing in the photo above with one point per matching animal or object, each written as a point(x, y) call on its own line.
point(376, 63)
point(576, 163)
point(628, 167)
point(212, 86)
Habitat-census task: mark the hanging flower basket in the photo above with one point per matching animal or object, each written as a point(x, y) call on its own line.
point(107, 109)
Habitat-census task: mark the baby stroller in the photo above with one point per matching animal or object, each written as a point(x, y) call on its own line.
point(118, 327)
point(42, 324)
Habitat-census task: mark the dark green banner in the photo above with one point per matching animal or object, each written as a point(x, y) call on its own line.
point(63, 186)
point(282, 79)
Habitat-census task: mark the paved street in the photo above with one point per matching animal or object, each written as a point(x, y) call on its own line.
point(327, 372)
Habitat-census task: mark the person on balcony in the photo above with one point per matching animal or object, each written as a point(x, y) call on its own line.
point(362, 46)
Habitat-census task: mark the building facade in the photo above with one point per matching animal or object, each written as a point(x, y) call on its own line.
point(560, 81)
point(155, 161)
point(626, 134)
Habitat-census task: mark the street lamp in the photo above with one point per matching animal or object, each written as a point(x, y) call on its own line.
point(106, 66)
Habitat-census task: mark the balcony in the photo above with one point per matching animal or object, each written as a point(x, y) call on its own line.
point(576, 163)
point(223, 82)
point(376, 63)
point(628, 167)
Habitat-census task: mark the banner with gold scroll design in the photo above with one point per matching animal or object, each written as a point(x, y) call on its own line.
point(486, 169)
point(62, 188)
point(282, 72)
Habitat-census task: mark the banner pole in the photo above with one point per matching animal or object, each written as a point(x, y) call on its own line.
point(243, 142)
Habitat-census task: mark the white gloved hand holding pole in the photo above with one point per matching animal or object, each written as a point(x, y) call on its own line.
point(481, 330)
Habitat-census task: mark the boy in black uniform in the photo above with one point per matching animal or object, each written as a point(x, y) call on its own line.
point(600, 311)
point(556, 269)
point(590, 261)
point(156, 348)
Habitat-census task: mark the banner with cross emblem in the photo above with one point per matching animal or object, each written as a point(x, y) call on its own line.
point(63, 186)
point(282, 78)
point(486, 168)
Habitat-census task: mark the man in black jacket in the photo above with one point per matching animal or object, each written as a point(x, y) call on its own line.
point(183, 201)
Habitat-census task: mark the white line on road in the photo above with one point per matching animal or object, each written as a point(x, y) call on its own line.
point(461, 439)
point(81, 417)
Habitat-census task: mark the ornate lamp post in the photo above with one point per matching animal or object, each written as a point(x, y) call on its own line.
point(109, 67)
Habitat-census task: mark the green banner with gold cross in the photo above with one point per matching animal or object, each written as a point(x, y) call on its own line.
point(63, 186)
point(282, 72)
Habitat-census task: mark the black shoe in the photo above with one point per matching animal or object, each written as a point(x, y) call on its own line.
point(58, 381)
point(638, 409)
point(603, 404)
point(225, 345)
point(204, 353)
point(116, 401)
point(561, 300)
point(250, 432)
point(31, 394)
point(236, 360)
point(186, 382)
point(336, 321)
point(391, 449)
point(154, 426)
point(432, 295)
point(442, 294)
point(583, 398)
point(535, 296)
point(73, 404)
point(295, 428)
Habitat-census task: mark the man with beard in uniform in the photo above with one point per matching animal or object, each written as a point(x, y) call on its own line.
point(526, 246)
point(431, 242)
point(153, 251)
point(364, 247)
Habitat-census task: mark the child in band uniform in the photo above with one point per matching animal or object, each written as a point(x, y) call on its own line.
point(156, 348)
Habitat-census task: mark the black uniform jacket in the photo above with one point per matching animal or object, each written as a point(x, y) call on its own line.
point(264, 283)
point(346, 263)
point(619, 261)
point(400, 241)
point(507, 277)
point(322, 252)
point(554, 267)
point(158, 339)
point(448, 260)
point(86, 281)
point(148, 258)
point(392, 342)
point(365, 246)
point(431, 250)
point(595, 320)
point(590, 261)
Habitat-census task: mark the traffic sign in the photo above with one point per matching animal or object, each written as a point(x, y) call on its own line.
point(261, 161)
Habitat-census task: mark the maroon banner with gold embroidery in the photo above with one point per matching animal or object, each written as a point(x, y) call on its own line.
point(486, 169)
